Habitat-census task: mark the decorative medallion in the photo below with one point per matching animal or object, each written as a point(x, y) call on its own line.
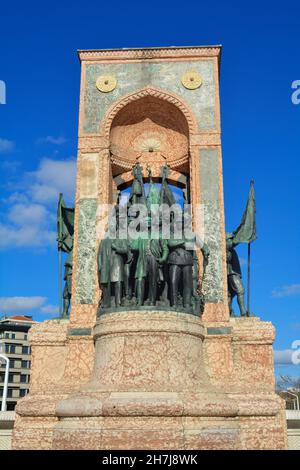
point(106, 83)
point(191, 80)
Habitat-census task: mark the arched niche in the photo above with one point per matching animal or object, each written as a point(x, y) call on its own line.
point(153, 128)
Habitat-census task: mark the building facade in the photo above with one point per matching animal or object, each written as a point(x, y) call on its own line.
point(14, 344)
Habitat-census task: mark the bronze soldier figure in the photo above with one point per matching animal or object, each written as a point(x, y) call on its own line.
point(234, 276)
point(67, 293)
point(150, 253)
point(180, 262)
point(111, 258)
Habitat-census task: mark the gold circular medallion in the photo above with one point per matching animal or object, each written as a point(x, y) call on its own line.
point(106, 83)
point(191, 80)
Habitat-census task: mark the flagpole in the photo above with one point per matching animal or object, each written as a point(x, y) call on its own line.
point(248, 288)
point(59, 221)
point(59, 283)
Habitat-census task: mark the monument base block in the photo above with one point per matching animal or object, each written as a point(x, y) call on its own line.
point(160, 380)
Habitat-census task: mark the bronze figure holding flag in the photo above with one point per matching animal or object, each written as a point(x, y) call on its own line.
point(245, 233)
point(234, 276)
point(65, 232)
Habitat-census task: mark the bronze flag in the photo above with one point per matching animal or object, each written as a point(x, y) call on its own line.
point(65, 226)
point(246, 231)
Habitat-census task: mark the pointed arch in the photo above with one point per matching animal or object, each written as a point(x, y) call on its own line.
point(142, 93)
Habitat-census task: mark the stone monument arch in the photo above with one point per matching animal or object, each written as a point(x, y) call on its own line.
point(146, 378)
point(151, 127)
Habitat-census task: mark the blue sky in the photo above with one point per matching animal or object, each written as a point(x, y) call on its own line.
point(260, 133)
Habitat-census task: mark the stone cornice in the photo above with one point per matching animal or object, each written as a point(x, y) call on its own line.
point(149, 53)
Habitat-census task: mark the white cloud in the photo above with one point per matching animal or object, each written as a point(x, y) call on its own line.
point(31, 214)
point(283, 357)
point(286, 291)
point(16, 198)
point(51, 178)
point(6, 146)
point(12, 305)
point(29, 225)
point(25, 236)
point(44, 193)
point(52, 140)
point(27, 214)
point(50, 309)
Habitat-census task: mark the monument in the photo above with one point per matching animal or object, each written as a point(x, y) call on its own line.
point(150, 356)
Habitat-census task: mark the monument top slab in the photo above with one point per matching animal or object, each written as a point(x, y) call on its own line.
point(174, 52)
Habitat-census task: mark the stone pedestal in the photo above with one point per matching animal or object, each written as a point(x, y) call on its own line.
point(160, 380)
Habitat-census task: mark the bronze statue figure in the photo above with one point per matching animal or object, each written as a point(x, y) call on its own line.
point(67, 293)
point(180, 262)
point(183, 262)
point(65, 236)
point(112, 255)
point(245, 233)
point(234, 276)
point(150, 253)
point(137, 195)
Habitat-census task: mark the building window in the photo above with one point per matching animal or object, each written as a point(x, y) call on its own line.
point(13, 364)
point(11, 405)
point(25, 364)
point(24, 378)
point(10, 377)
point(23, 392)
point(10, 348)
point(25, 350)
point(25, 336)
point(9, 335)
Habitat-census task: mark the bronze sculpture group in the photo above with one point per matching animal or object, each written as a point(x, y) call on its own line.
point(154, 271)
point(150, 271)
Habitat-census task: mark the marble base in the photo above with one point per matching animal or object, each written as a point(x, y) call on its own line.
point(159, 380)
